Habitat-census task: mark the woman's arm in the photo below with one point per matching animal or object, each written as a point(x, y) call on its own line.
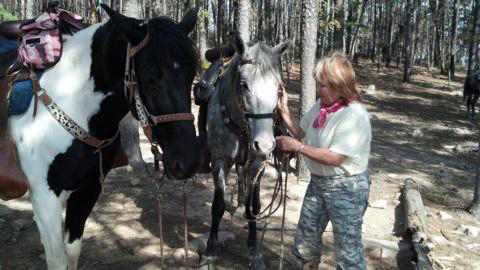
point(291, 123)
point(321, 155)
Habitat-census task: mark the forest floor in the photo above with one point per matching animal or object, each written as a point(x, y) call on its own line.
point(420, 131)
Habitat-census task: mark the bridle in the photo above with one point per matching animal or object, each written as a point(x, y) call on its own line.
point(147, 120)
point(242, 130)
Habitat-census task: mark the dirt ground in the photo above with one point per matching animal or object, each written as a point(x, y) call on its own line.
point(420, 131)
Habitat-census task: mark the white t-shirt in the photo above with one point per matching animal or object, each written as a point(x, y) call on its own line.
point(346, 131)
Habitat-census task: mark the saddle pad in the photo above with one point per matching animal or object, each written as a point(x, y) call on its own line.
point(21, 96)
point(7, 45)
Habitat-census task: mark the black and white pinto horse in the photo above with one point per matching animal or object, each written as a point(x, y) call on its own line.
point(471, 92)
point(88, 85)
point(254, 74)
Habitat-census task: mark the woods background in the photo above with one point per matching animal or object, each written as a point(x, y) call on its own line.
point(434, 33)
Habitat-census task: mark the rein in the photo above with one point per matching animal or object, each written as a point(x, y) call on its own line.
point(146, 119)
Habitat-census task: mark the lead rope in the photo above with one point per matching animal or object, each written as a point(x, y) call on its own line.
point(282, 244)
point(158, 195)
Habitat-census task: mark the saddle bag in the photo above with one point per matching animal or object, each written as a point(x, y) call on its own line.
point(13, 183)
point(41, 44)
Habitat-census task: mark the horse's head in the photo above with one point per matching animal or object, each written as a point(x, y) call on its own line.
point(165, 67)
point(259, 79)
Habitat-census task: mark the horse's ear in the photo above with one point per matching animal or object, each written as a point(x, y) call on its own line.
point(281, 48)
point(237, 42)
point(126, 25)
point(188, 22)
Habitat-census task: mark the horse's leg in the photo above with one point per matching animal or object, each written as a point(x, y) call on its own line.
point(47, 209)
point(220, 170)
point(253, 197)
point(474, 102)
point(241, 186)
point(79, 206)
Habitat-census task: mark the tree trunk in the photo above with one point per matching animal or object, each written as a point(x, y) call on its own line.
point(220, 16)
point(29, 9)
point(244, 19)
point(260, 20)
point(338, 32)
point(473, 41)
point(453, 39)
point(388, 56)
point(307, 66)
point(131, 8)
point(408, 40)
point(474, 208)
point(129, 126)
point(357, 24)
point(202, 29)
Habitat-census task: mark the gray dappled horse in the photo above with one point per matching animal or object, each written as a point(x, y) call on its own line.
point(252, 76)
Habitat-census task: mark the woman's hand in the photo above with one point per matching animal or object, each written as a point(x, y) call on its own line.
point(282, 103)
point(287, 144)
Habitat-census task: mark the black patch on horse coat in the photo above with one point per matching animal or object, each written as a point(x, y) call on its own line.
point(77, 169)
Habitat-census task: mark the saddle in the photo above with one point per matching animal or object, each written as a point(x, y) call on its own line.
point(13, 183)
point(202, 92)
point(11, 29)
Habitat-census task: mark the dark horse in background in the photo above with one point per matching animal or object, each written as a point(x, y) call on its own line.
point(253, 78)
point(88, 85)
point(471, 92)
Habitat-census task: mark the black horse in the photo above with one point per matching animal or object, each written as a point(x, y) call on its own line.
point(471, 92)
point(67, 147)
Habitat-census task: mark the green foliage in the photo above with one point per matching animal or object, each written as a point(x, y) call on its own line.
point(205, 64)
point(203, 15)
point(5, 15)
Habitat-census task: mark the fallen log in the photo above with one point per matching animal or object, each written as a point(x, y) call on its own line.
point(416, 224)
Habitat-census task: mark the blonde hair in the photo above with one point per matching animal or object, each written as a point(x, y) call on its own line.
point(337, 71)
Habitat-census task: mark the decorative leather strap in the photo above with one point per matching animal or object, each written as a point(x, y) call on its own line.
point(63, 119)
point(173, 117)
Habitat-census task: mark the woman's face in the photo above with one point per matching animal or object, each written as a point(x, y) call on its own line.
point(326, 93)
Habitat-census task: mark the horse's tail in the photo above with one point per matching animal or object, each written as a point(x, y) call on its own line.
point(465, 90)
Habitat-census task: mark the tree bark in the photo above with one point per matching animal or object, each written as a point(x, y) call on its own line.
point(474, 208)
point(220, 16)
point(453, 38)
point(244, 19)
point(309, 47)
point(29, 9)
point(357, 24)
point(473, 41)
point(202, 29)
point(338, 31)
point(408, 40)
point(129, 126)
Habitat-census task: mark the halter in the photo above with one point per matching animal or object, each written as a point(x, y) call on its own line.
point(146, 119)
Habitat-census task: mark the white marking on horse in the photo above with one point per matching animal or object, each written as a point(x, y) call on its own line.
point(39, 140)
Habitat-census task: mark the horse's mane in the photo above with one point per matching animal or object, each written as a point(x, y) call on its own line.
point(169, 40)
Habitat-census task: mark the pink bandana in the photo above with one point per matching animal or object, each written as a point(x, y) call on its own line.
point(324, 111)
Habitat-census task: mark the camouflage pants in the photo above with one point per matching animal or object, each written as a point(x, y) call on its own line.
point(343, 201)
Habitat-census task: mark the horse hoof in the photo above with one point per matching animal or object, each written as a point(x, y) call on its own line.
point(206, 263)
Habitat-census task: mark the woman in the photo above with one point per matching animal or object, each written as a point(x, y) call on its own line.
point(336, 137)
